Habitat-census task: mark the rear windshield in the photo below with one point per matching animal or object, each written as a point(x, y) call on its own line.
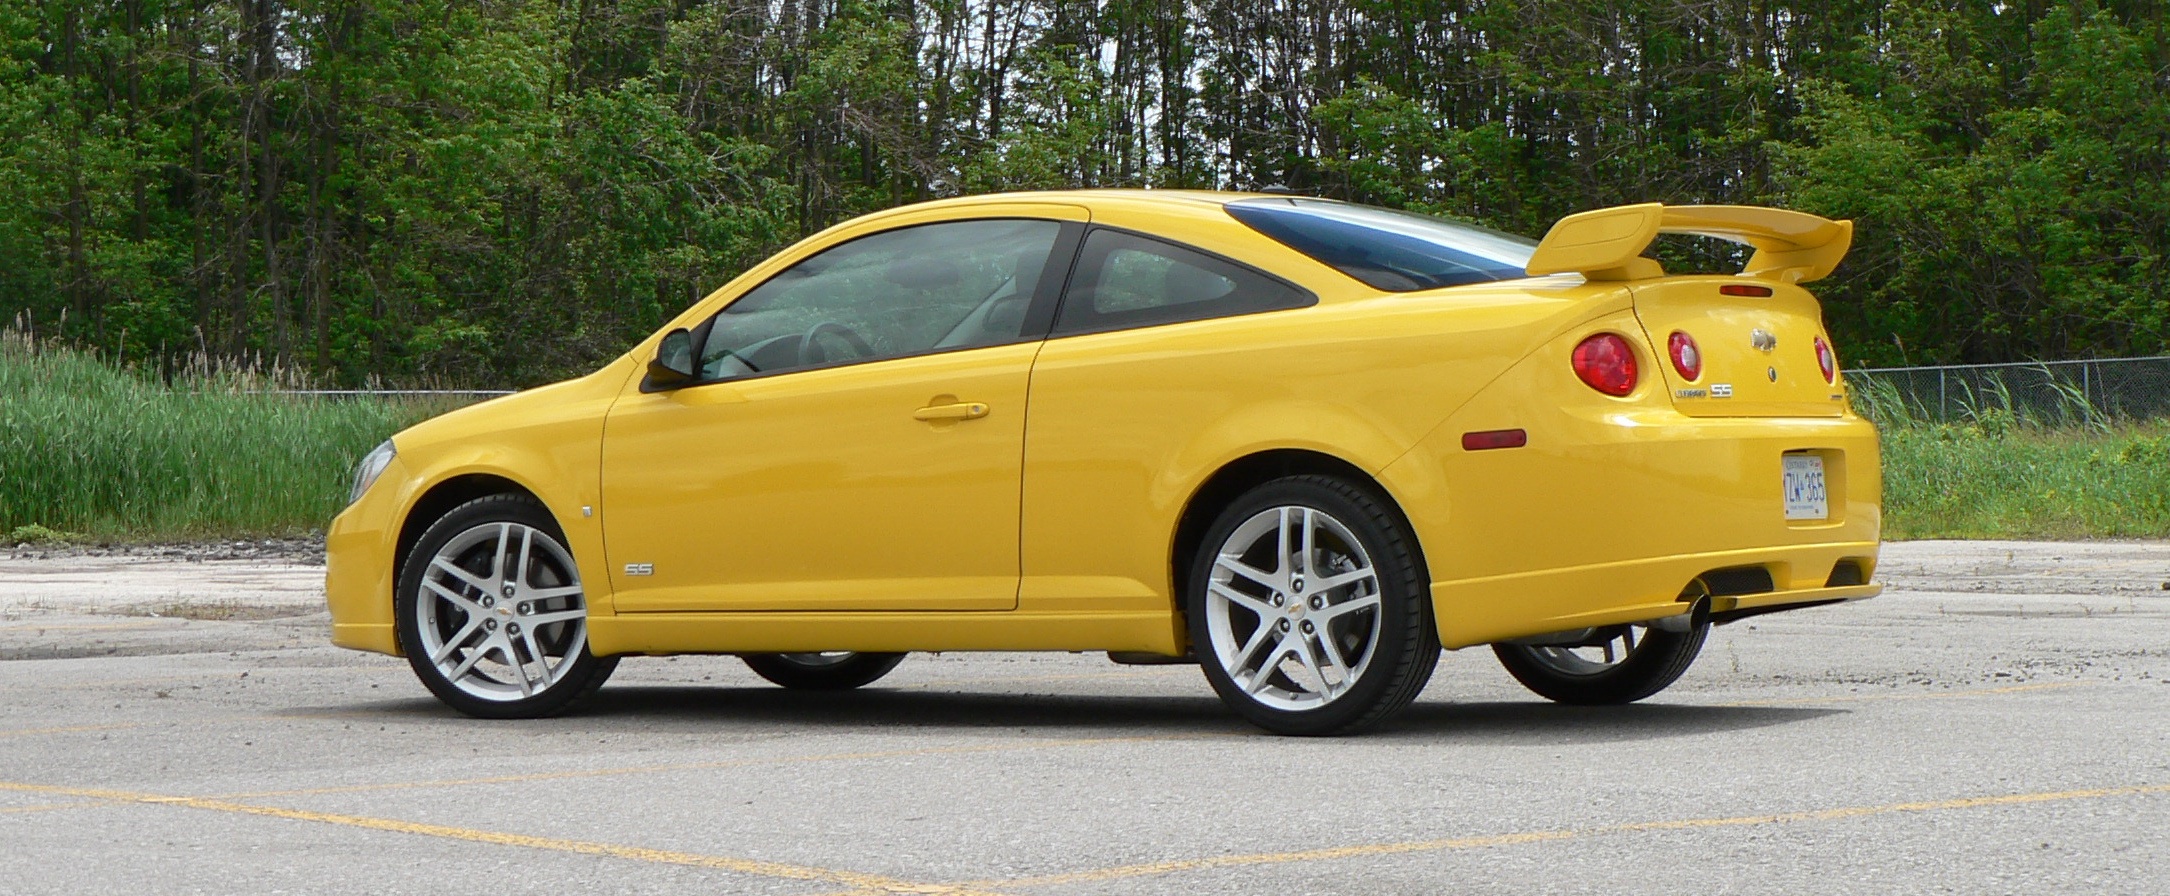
point(1386, 249)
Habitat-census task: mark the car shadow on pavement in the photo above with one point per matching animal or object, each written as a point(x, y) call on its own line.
point(651, 708)
point(913, 707)
point(1541, 723)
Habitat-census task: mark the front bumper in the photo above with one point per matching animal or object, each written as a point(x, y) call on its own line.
point(359, 551)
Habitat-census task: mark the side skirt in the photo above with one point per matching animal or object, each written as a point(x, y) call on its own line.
point(675, 633)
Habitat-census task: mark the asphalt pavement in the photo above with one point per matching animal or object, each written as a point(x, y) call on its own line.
point(1997, 722)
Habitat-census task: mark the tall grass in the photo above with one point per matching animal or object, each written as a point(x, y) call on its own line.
point(1963, 481)
point(2001, 469)
point(117, 455)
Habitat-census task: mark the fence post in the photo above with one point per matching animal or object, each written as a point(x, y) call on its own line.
point(2087, 389)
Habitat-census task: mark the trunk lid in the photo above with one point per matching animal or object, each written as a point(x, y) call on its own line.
point(1758, 352)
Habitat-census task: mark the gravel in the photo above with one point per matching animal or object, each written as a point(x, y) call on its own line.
point(307, 549)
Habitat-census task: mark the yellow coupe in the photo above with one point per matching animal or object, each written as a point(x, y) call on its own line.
point(1303, 443)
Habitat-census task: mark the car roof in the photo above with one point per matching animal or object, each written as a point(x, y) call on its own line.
point(1094, 198)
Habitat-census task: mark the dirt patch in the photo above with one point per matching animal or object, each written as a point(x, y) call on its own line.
point(305, 550)
point(139, 585)
point(218, 611)
point(2138, 569)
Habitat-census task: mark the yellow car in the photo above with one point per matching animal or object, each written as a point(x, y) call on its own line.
point(1303, 443)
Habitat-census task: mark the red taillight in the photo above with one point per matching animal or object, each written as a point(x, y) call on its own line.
point(1686, 357)
point(1606, 363)
point(1743, 289)
point(1827, 360)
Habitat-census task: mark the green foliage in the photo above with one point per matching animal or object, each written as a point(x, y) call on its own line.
point(36, 534)
point(2009, 188)
point(508, 192)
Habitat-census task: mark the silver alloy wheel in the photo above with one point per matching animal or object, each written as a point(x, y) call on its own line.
point(1292, 607)
point(502, 616)
point(1592, 659)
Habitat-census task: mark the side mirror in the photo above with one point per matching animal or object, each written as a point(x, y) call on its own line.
point(672, 366)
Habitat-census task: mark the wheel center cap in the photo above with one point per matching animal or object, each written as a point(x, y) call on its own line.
point(1295, 609)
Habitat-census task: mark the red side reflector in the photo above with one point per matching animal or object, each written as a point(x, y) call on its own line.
point(1743, 289)
point(1494, 438)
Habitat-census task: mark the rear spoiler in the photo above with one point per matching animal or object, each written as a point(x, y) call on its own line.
point(1607, 244)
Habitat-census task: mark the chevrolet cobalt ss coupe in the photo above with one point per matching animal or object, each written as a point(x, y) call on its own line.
point(1303, 443)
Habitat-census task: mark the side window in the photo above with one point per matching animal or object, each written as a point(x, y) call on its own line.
point(910, 291)
point(1124, 280)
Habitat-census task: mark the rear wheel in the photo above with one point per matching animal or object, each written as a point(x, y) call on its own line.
point(1308, 608)
point(1621, 664)
point(491, 614)
point(834, 670)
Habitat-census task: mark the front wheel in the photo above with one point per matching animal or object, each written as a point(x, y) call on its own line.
point(1308, 608)
point(1622, 664)
point(491, 614)
point(835, 670)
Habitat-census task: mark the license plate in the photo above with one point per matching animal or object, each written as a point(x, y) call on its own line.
point(1805, 499)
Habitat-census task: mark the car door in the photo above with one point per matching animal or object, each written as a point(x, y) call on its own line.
point(1132, 372)
point(853, 440)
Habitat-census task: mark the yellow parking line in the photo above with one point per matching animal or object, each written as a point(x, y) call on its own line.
point(872, 883)
point(1155, 869)
point(1929, 695)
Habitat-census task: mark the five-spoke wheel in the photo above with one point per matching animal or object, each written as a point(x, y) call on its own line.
point(1619, 664)
point(491, 614)
point(1308, 610)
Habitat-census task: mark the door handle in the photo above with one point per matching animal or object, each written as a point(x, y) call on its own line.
point(963, 410)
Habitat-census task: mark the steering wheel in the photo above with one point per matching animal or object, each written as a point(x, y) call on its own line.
point(810, 351)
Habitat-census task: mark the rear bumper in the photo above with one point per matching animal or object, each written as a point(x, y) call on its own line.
point(1499, 608)
point(1615, 507)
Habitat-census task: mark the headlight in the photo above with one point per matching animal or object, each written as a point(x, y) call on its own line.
point(372, 466)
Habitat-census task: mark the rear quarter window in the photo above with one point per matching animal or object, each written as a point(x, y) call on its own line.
point(1125, 280)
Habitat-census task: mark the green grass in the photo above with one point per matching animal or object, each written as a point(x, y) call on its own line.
point(1968, 480)
point(2005, 470)
point(91, 452)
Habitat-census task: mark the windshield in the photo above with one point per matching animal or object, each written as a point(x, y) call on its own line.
point(1386, 249)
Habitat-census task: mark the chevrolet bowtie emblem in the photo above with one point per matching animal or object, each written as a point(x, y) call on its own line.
point(1762, 340)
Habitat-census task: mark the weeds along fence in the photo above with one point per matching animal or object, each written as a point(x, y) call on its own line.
point(92, 449)
point(2053, 393)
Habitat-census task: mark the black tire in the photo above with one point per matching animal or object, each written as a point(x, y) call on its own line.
point(1652, 661)
point(1375, 629)
point(832, 671)
point(473, 635)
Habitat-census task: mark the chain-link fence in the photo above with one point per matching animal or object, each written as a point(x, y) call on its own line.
point(2052, 392)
